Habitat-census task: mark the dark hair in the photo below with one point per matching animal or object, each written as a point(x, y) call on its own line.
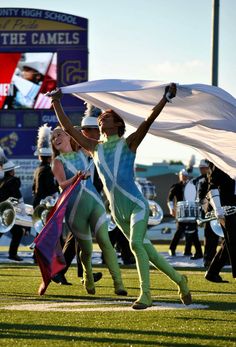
point(117, 119)
point(45, 159)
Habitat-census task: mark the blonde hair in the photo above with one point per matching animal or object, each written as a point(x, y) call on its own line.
point(74, 145)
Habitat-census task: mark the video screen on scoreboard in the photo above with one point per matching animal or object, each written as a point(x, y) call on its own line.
point(25, 78)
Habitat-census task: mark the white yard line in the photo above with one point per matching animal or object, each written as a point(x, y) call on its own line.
point(101, 306)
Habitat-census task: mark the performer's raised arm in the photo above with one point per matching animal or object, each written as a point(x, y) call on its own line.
point(88, 144)
point(136, 138)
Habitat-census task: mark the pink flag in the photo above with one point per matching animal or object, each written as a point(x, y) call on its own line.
point(47, 244)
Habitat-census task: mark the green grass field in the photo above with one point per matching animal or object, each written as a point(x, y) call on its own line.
point(67, 316)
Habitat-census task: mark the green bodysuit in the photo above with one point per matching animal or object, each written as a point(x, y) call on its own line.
point(86, 212)
point(115, 164)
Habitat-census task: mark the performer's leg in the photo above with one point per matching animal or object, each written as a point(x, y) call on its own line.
point(188, 239)
point(211, 241)
point(69, 250)
point(217, 264)
point(86, 259)
point(99, 225)
point(162, 264)
point(83, 236)
point(136, 234)
point(17, 233)
point(113, 239)
point(144, 251)
point(197, 244)
point(78, 260)
point(177, 236)
point(230, 240)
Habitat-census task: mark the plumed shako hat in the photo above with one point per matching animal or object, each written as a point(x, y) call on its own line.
point(44, 148)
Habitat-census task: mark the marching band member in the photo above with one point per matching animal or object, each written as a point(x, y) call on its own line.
point(114, 157)
point(188, 229)
point(44, 182)
point(211, 240)
point(10, 188)
point(222, 192)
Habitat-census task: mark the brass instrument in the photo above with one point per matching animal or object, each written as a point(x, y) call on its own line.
point(155, 213)
point(12, 212)
point(7, 216)
point(228, 210)
point(215, 224)
point(40, 213)
point(148, 189)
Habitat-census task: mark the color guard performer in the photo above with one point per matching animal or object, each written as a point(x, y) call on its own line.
point(114, 158)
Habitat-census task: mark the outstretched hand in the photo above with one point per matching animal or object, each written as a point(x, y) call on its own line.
point(55, 94)
point(170, 92)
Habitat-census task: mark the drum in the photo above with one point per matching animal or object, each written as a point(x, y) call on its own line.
point(190, 191)
point(187, 211)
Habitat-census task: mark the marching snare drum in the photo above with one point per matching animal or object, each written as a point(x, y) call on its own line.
point(187, 211)
point(190, 191)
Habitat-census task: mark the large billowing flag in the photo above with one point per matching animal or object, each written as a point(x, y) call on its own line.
point(200, 116)
point(47, 244)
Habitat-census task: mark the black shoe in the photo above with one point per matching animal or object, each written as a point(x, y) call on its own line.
point(186, 254)
point(215, 278)
point(196, 256)
point(15, 257)
point(60, 279)
point(96, 277)
point(172, 253)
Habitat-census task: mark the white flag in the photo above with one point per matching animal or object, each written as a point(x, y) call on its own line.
point(200, 116)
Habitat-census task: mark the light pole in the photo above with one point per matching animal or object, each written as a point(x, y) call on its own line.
point(215, 41)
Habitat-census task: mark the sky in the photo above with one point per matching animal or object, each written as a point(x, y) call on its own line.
point(153, 40)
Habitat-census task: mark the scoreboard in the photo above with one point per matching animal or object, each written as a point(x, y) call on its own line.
point(39, 51)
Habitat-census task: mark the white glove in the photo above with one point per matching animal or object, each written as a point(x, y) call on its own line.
point(21, 206)
point(170, 204)
point(215, 202)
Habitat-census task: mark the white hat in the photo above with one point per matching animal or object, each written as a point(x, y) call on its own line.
point(9, 165)
point(204, 163)
point(89, 122)
point(36, 65)
point(44, 148)
point(184, 172)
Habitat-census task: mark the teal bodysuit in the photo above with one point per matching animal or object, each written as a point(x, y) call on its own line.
point(115, 164)
point(85, 212)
